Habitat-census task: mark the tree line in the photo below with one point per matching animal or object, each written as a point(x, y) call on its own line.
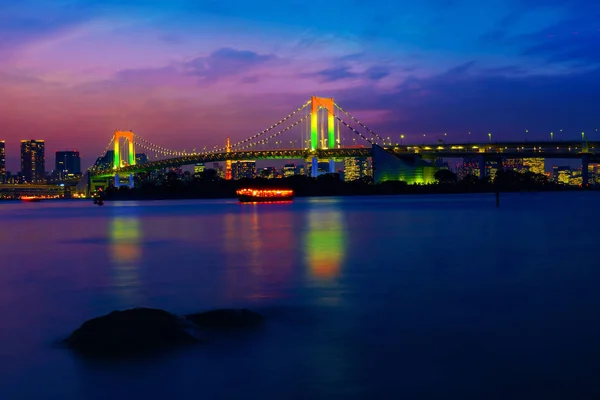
point(208, 184)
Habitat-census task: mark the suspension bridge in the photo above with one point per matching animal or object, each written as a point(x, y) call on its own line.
point(318, 131)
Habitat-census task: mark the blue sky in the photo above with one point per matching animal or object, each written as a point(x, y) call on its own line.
point(188, 73)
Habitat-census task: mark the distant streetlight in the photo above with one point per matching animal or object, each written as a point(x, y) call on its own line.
point(551, 136)
point(401, 138)
point(582, 135)
point(490, 136)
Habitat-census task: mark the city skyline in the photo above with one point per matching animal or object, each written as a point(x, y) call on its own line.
point(186, 75)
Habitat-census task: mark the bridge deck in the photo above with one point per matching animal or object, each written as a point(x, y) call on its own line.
point(541, 149)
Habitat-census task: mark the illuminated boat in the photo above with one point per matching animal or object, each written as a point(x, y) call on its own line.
point(31, 199)
point(264, 195)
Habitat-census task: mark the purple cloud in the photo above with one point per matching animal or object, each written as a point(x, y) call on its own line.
point(226, 62)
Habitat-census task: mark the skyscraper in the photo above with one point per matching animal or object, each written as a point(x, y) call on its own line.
point(535, 165)
point(2, 162)
point(289, 170)
point(67, 163)
point(357, 168)
point(33, 166)
point(243, 169)
point(198, 169)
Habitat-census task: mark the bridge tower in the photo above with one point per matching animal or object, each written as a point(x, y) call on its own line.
point(127, 137)
point(228, 162)
point(318, 103)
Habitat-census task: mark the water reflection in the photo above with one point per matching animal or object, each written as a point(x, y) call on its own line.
point(242, 245)
point(257, 246)
point(125, 255)
point(324, 243)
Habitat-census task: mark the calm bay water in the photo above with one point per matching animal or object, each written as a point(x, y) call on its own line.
point(368, 297)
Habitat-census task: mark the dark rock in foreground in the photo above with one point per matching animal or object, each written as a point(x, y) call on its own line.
point(134, 331)
point(226, 318)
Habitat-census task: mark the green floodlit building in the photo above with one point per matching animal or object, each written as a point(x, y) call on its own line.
point(410, 168)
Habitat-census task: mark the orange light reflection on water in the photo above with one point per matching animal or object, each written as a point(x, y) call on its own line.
point(257, 247)
point(242, 244)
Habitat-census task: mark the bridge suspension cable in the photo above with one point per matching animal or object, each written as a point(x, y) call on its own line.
point(360, 123)
point(146, 144)
point(235, 145)
point(106, 149)
point(265, 140)
point(353, 130)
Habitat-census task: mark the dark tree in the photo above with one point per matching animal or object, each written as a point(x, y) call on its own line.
point(209, 174)
point(445, 177)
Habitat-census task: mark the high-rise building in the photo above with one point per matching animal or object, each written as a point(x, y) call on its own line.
point(268, 172)
point(514, 164)
point(220, 170)
point(67, 163)
point(2, 162)
point(351, 169)
point(469, 166)
point(33, 163)
point(576, 178)
point(594, 173)
point(356, 168)
point(472, 166)
point(535, 165)
point(562, 174)
point(106, 161)
point(369, 170)
point(289, 170)
point(243, 169)
point(198, 168)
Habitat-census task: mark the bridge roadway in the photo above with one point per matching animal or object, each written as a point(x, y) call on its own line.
point(494, 150)
point(283, 154)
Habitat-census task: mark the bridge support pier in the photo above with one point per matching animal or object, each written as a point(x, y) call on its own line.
point(481, 167)
point(585, 173)
point(96, 183)
point(499, 166)
point(129, 183)
point(88, 189)
point(314, 167)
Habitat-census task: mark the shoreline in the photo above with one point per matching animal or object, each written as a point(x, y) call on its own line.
point(428, 192)
point(391, 190)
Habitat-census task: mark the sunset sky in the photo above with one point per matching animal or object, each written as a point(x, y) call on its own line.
point(186, 73)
